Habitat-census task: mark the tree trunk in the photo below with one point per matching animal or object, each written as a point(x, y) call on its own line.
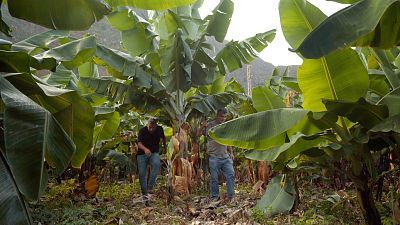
point(365, 199)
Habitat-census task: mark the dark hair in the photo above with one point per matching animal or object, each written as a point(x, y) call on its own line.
point(222, 111)
point(152, 121)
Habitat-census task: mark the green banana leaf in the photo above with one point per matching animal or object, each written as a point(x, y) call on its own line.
point(74, 113)
point(298, 18)
point(107, 127)
point(122, 66)
point(88, 69)
point(150, 4)
point(389, 124)
point(367, 114)
point(176, 60)
point(15, 61)
point(74, 53)
point(37, 43)
point(286, 152)
point(365, 23)
point(388, 68)
point(338, 76)
point(4, 28)
point(59, 14)
point(236, 53)
point(278, 198)
point(220, 20)
point(256, 131)
point(264, 99)
point(32, 136)
point(13, 209)
point(377, 84)
point(207, 104)
point(62, 77)
point(392, 101)
point(139, 39)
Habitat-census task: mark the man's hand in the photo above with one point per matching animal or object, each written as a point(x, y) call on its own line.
point(147, 152)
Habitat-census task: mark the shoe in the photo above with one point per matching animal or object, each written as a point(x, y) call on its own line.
point(146, 198)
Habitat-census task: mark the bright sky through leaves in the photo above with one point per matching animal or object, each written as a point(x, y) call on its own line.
point(256, 16)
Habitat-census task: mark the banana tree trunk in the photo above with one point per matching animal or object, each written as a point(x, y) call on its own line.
point(365, 199)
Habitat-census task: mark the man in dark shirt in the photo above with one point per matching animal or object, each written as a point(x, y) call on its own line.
point(148, 153)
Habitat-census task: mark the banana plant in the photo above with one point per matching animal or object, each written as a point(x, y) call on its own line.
point(336, 121)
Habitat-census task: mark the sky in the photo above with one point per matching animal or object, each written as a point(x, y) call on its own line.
point(256, 16)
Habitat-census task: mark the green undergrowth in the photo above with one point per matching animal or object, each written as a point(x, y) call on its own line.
point(320, 204)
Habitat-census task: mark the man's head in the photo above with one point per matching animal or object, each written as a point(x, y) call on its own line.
point(152, 125)
point(221, 115)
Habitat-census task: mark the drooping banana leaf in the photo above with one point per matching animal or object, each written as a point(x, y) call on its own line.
point(365, 23)
point(367, 114)
point(284, 153)
point(392, 100)
point(59, 14)
point(33, 45)
point(237, 53)
point(74, 53)
point(73, 112)
point(15, 61)
point(13, 209)
point(278, 198)
point(32, 135)
point(220, 20)
point(256, 131)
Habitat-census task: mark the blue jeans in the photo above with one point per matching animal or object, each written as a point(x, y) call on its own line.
point(143, 162)
point(225, 165)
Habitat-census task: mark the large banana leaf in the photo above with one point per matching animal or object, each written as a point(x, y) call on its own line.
point(136, 32)
point(392, 100)
point(207, 104)
point(340, 75)
point(256, 131)
point(362, 112)
point(220, 20)
point(15, 61)
point(74, 113)
point(365, 23)
point(13, 209)
point(264, 99)
point(36, 43)
point(74, 53)
point(32, 135)
point(59, 14)
point(122, 65)
point(235, 53)
point(107, 127)
point(177, 59)
point(298, 18)
point(278, 198)
point(284, 153)
point(390, 124)
point(150, 4)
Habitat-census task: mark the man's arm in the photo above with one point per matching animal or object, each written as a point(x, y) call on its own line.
point(144, 148)
point(230, 151)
